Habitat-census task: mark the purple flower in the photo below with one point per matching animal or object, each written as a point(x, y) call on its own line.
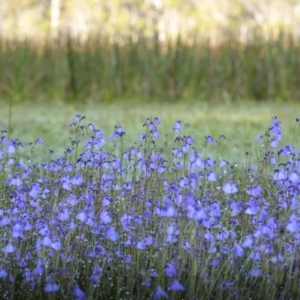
point(256, 272)
point(153, 273)
point(51, 287)
point(95, 277)
point(4, 221)
point(237, 250)
point(177, 126)
point(222, 235)
point(157, 121)
point(140, 245)
point(92, 127)
point(166, 212)
point(17, 231)
point(248, 242)
point(176, 286)
point(177, 152)
point(286, 150)
point(9, 248)
point(259, 138)
point(197, 213)
point(147, 282)
point(236, 208)
point(160, 293)
point(96, 273)
point(253, 207)
point(17, 181)
point(105, 217)
point(155, 133)
point(294, 177)
point(78, 293)
point(77, 118)
point(209, 236)
point(148, 240)
point(279, 174)
point(274, 143)
point(81, 216)
point(170, 270)
point(72, 200)
point(66, 185)
point(293, 224)
point(277, 258)
point(112, 234)
point(119, 131)
point(35, 190)
point(38, 270)
point(64, 214)
point(276, 128)
point(229, 188)
point(225, 285)
point(209, 139)
point(185, 148)
point(273, 160)
point(39, 141)
point(211, 176)
point(56, 245)
point(3, 273)
point(223, 163)
point(255, 255)
point(189, 140)
point(11, 148)
point(143, 137)
point(215, 262)
point(77, 180)
point(44, 229)
point(46, 241)
point(215, 210)
point(254, 190)
point(209, 162)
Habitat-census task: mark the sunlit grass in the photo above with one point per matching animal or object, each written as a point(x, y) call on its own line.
point(240, 122)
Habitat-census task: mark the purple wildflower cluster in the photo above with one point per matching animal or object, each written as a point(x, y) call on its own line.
point(149, 223)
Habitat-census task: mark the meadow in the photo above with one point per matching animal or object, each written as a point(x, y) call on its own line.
point(148, 175)
point(240, 121)
point(137, 202)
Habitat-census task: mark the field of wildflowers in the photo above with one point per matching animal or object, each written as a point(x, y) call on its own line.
point(157, 220)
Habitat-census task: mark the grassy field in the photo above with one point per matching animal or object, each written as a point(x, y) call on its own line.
point(241, 122)
point(133, 223)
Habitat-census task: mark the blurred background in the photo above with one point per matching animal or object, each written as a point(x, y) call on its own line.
point(171, 49)
point(236, 63)
point(39, 19)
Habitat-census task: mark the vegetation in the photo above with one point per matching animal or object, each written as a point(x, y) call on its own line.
point(102, 71)
point(201, 202)
point(239, 121)
point(145, 222)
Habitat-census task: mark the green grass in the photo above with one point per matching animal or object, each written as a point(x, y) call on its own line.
point(102, 70)
point(240, 122)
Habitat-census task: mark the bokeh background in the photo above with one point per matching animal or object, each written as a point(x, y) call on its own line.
point(118, 18)
point(225, 66)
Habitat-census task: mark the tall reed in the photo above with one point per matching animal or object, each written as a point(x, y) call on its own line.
point(101, 69)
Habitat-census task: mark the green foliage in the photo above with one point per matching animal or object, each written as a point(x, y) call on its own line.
point(104, 70)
